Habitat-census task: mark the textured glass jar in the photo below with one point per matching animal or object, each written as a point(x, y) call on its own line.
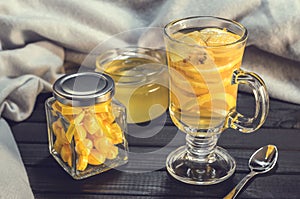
point(86, 126)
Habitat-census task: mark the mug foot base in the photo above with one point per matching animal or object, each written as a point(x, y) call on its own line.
point(190, 171)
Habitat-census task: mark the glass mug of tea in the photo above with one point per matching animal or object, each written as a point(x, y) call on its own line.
point(204, 58)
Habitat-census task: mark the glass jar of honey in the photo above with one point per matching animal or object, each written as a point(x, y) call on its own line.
point(141, 78)
point(86, 125)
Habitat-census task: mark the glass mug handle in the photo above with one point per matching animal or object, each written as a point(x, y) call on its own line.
point(238, 121)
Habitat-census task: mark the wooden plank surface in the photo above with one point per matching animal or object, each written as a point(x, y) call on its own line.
point(145, 175)
point(157, 183)
point(39, 157)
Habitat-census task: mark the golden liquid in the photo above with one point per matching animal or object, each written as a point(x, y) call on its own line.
point(141, 85)
point(200, 78)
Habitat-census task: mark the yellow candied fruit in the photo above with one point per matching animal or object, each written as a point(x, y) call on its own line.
point(103, 144)
point(66, 154)
point(70, 132)
point(96, 158)
point(94, 131)
point(90, 123)
point(82, 149)
point(69, 118)
point(102, 107)
point(66, 109)
point(82, 162)
point(80, 132)
point(112, 152)
point(88, 143)
point(56, 126)
point(57, 146)
point(69, 110)
point(99, 133)
point(107, 116)
point(104, 126)
point(112, 131)
point(61, 136)
point(56, 131)
point(56, 106)
point(116, 134)
point(79, 118)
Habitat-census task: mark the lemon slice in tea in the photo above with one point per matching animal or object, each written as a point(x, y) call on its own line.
point(218, 37)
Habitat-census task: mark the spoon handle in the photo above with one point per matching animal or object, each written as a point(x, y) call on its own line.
point(235, 191)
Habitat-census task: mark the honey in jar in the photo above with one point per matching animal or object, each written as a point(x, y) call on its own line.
point(141, 79)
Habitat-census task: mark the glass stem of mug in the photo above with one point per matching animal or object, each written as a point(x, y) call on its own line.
point(201, 149)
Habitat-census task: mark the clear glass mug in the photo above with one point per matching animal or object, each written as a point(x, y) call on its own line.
point(204, 58)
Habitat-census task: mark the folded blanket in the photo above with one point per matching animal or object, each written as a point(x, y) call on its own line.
point(39, 38)
point(14, 182)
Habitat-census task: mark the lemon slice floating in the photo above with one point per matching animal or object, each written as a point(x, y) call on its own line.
point(192, 38)
point(178, 53)
point(208, 37)
point(217, 37)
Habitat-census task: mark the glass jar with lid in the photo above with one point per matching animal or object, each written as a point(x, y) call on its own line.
point(141, 78)
point(86, 125)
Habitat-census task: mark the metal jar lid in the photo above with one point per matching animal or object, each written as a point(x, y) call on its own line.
point(83, 89)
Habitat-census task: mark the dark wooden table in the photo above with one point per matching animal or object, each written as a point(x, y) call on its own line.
point(146, 177)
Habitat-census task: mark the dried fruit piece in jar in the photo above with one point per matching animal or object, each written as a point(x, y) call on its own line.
point(80, 133)
point(94, 130)
point(66, 154)
point(56, 106)
point(81, 148)
point(78, 119)
point(57, 125)
point(82, 162)
point(112, 152)
point(61, 136)
point(103, 145)
point(88, 143)
point(70, 132)
point(90, 123)
point(116, 133)
point(101, 108)
point(69, 110)
point(106, 116)
point(96, 158)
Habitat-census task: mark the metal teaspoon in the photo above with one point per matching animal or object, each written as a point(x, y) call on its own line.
point(261, 161)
